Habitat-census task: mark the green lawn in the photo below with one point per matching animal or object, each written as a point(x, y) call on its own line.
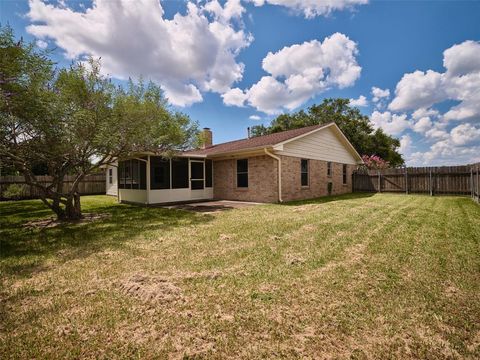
point(356, 276)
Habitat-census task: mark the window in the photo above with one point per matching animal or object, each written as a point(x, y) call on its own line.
point(110, 176)
point(344, 174)
point(208, 173)
point(329, 168)
point(304, 172)
point(196, 175)
point(242, 173)
point(180, 173)
point(132, 174)
point(159, 173)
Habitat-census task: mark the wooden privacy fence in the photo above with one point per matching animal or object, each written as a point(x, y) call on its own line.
point(453, 180)
point(91, 185)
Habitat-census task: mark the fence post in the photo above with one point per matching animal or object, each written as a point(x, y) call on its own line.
point(406, 181)
point(471, 182)
point(379, 182)
point(431, 183)
point(478, 186)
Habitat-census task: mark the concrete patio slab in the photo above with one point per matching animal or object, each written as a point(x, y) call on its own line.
point(212, 206)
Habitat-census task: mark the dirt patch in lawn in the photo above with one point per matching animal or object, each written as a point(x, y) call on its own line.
point(150, 289)
point(53, 222)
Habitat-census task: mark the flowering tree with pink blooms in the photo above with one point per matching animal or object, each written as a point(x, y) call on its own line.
point(375, 162)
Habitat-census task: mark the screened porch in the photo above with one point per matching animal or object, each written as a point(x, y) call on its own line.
point(154, 179)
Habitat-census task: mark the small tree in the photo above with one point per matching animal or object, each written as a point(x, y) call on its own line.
point(75, 121)
point(374, 162)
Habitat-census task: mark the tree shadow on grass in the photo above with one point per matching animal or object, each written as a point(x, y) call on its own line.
point(327, 199)
point(23, 250)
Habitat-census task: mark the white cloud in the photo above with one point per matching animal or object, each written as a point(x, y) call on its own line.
point(460, 145)
point(418, 90)
point(42, 44)
point(187, 54)
point(232, 9)
point(445, 153)
point(254, 117)
point(423, 112)
point(405, 145)
point(465, 134)
point(392, 124)
point(462, 59)
point(379, 94)
point(313, 8)
point(460, 82)
point(361, 101)
point(301, 71)
point(438, 131)
point(422, 125)
point(234, 97)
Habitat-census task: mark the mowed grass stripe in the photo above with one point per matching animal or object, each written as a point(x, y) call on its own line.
point(361, 275)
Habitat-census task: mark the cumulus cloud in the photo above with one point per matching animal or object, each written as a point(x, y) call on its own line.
point(379, 94)
point(313, 8)
point(422, 125)
point(392, 124)
point(419, 91)
point(42, 44)
point(462, 59)
point(301, 71)
point(234, 97)
point(465, 134)
point(405, 145)
point(254, 117)
point(460, 82)
point(361, 101)
point(187, 54)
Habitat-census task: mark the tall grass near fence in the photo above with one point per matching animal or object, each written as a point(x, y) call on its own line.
point(442, 180)
point(91, 185)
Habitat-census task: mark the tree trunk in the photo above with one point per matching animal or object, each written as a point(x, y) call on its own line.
point(73, 209)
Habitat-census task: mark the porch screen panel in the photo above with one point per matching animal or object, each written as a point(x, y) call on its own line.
point(132, 174)
point(143, 175)
point(196, 175)
point(180, 173)
point(128, 173)
point(121, 175)
point(208, 173)
point(135, 174)
point(159, 173)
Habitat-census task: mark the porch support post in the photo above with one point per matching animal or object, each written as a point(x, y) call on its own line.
point(148, 179)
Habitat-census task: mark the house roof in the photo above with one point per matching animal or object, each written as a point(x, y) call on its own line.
point(256, 142)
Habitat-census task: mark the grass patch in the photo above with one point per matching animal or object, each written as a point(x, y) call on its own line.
point(360, 275)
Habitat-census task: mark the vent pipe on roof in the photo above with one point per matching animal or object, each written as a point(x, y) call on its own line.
point(248, 132)
point(206, 138)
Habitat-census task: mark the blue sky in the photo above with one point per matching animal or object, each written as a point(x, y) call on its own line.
point(234, 64)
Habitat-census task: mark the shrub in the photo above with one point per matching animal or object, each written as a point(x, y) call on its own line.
point(13, 192)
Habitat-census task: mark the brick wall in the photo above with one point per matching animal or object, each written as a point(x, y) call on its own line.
point(262, 180)
point(318, 179)
point(263, 185)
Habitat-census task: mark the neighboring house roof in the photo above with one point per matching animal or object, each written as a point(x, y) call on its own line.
point(269, 141)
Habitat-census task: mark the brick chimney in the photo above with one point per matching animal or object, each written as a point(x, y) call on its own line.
point(206, 138)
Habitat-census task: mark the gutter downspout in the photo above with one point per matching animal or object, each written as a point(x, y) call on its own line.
point(279, 173)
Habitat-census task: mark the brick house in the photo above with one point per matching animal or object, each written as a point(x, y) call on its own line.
point(296, 164)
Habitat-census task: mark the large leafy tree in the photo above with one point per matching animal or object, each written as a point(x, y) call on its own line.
point(350, 120)
point(76, 120)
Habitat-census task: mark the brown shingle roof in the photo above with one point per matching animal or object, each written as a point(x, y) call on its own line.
point(255, 142)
